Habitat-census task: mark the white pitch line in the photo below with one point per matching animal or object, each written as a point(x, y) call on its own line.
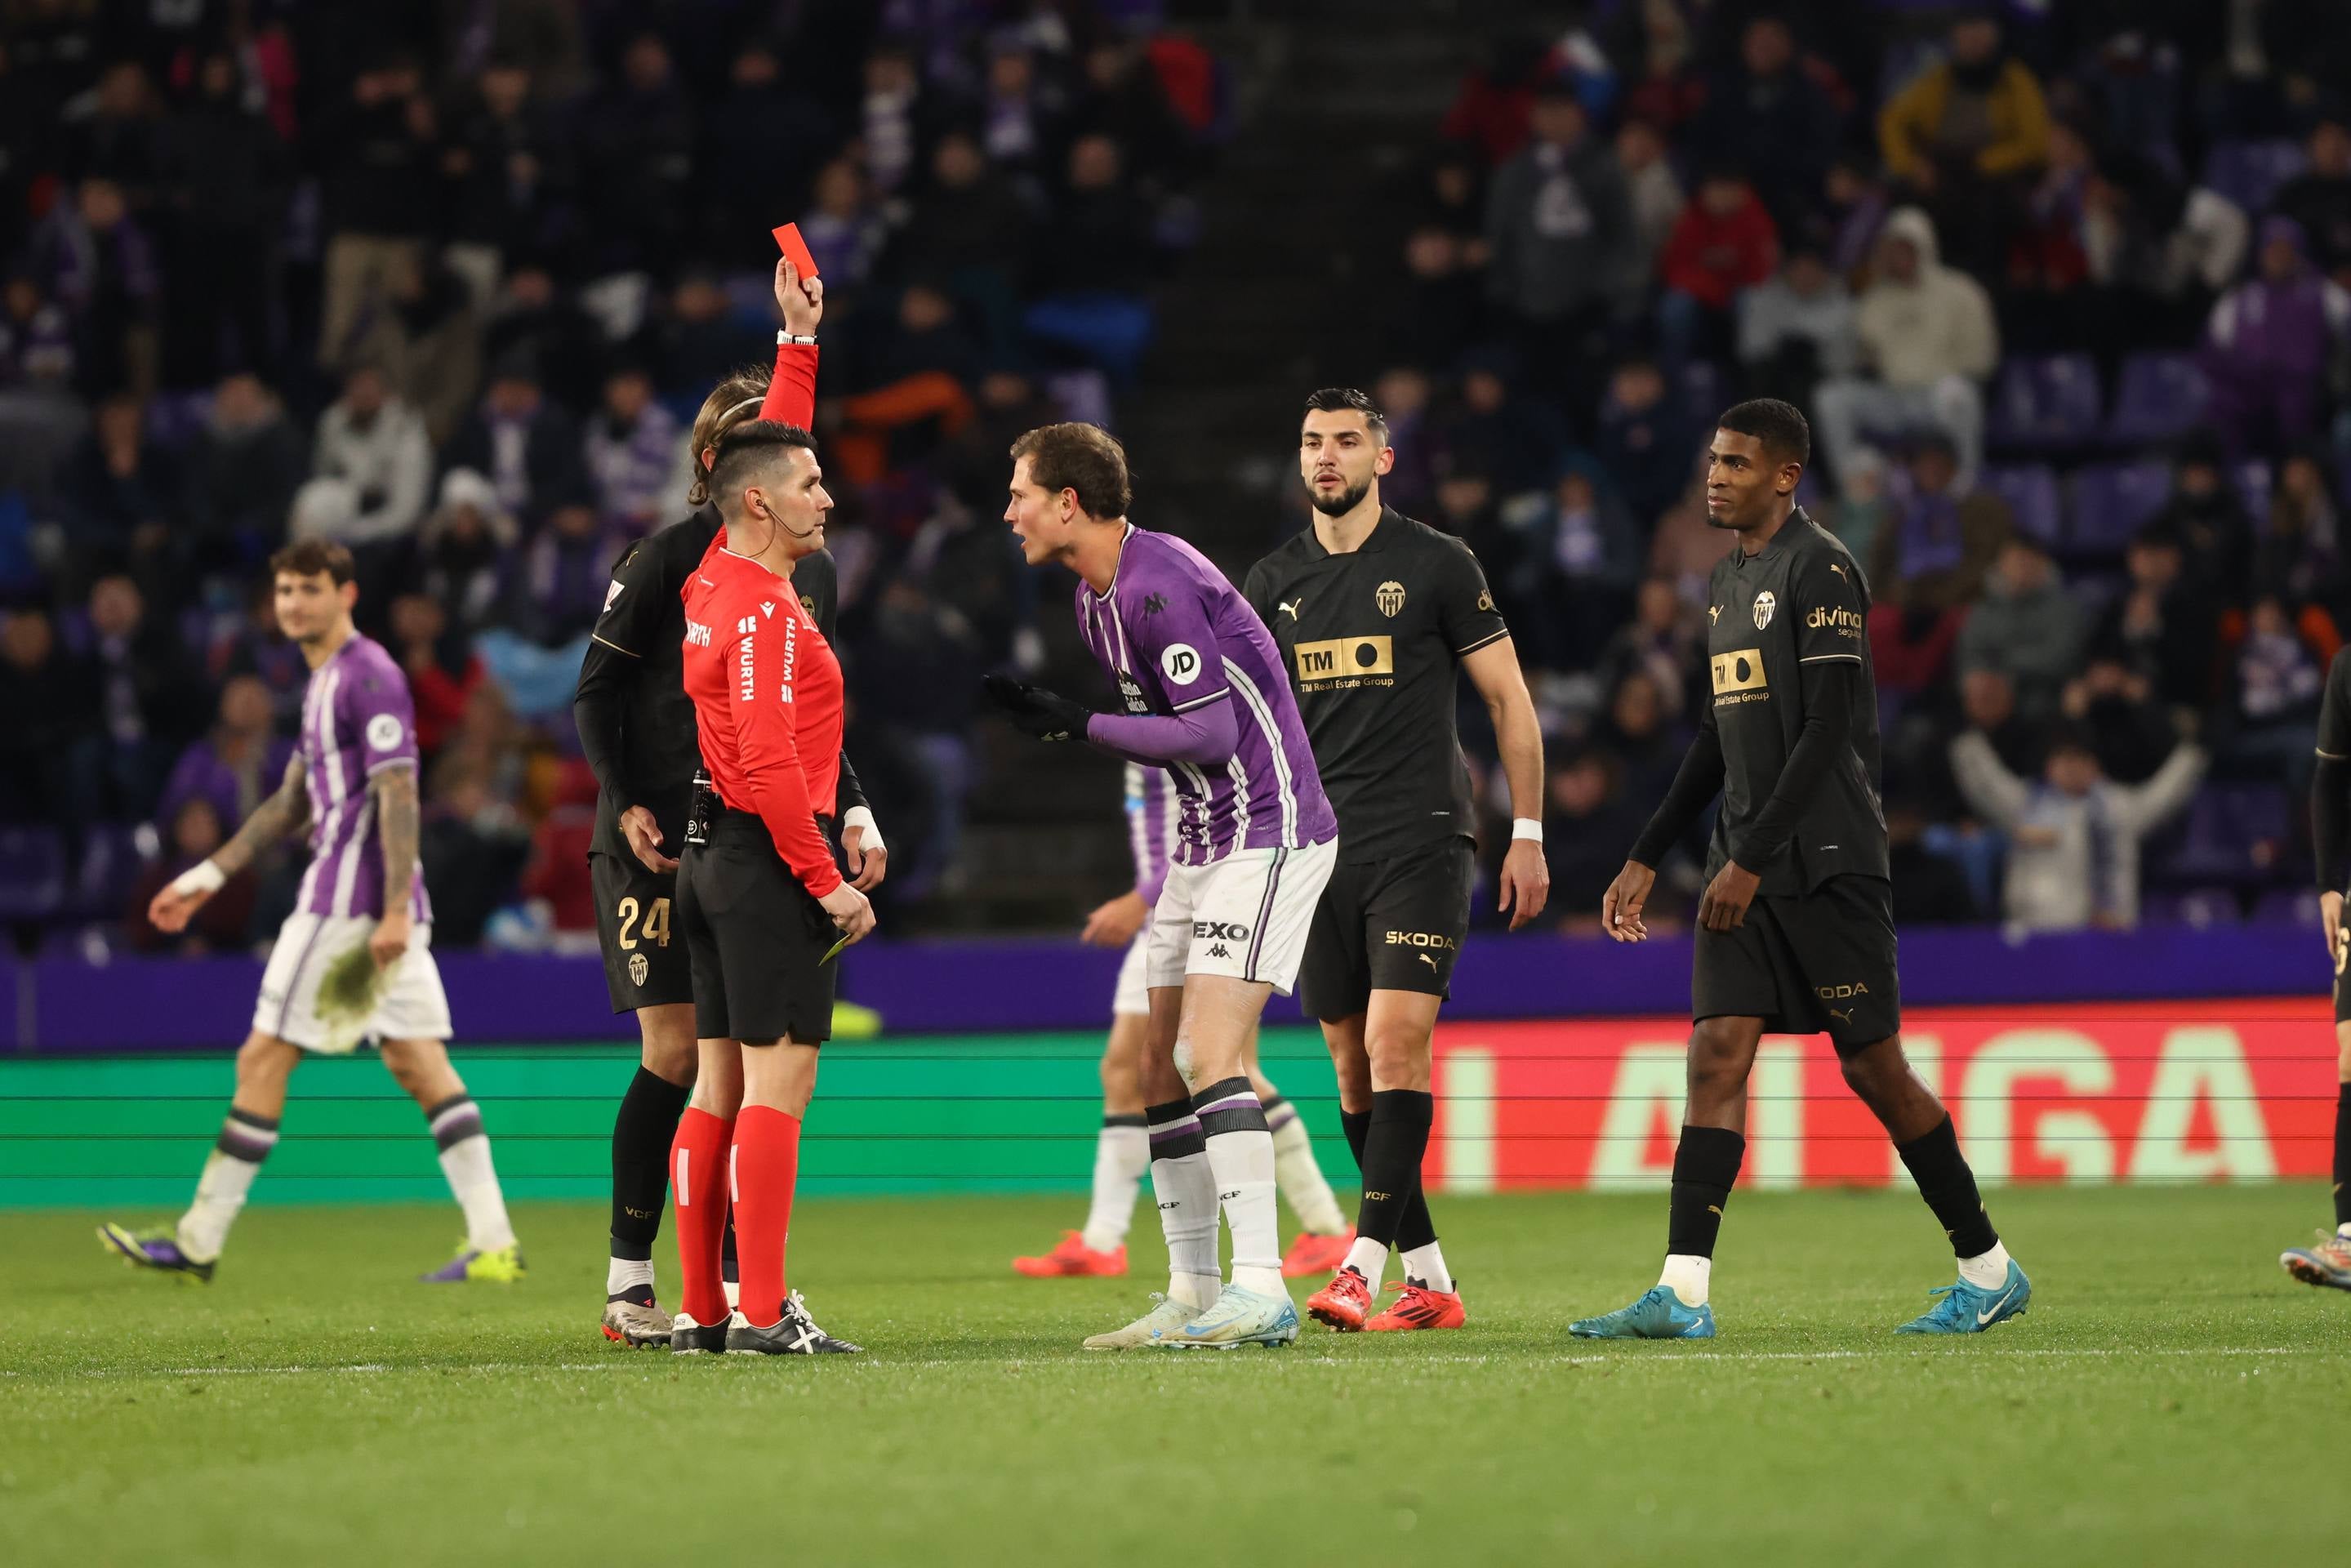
point(1633, 1358)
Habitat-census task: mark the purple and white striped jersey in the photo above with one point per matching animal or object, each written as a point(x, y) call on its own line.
point(1173, 636)
point(1150, 827)
point(357, 720)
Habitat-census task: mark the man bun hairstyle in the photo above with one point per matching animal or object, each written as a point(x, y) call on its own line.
point(1085, 458)
point(1336, 400)
point(750, 449)
point(1780, 426)
point(309, 557)
point(730, 403)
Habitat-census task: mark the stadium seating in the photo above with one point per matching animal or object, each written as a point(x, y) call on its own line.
point(2230, 833)
point(2032, 494)
point(31, 874)
point(2044, 405)
point(2160, 398)
point(2249, 173)
point(2112, 501)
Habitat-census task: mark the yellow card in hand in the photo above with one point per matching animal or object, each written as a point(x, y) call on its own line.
point(835, 951)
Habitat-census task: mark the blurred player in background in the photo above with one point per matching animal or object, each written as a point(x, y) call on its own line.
point(1123, 1150)
point(1203, 698)
point(2328, 1262)
point(1376, 616)
point(759, 894)
point(354, 960)
point(636, 730)
point(1796, 926)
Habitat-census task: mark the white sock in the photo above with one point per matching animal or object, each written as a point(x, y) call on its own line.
point(465, 1161)
point(1369, 1259)
point(1427, 1264)
point(1987, 1271)
point(1297, 1173)
point(1687, 1277)
point(244, 1142)
point(1240, 1153)
point(627, 1274)
point(2344, 1229)
point(734, 1289)
point(1121, 1154)
point(1187, 1192)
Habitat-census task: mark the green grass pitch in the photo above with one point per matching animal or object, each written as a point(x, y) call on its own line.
point(2171, 1398)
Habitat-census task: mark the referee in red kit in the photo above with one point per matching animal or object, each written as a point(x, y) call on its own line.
point(759, 899)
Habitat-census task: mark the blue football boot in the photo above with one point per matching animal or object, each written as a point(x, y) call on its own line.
point(1657, 1316)
point(1968, 1308)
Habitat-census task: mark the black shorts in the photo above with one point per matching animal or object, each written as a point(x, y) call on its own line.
point(2342, 990)
point(1822, 963)
point(645, 964)
point(1389, 926)
point(756, 937)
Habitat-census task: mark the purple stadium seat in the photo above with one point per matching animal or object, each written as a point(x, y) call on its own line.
point(1702, 393)
point(2230, 833)
point(2111, 502)
point(2296, 904)
point(2044, 405)
point(2030, 491)
point(111, 862)
point(2253, 479)
point(31, 874)
point(2160, 398)
point(2249, 173)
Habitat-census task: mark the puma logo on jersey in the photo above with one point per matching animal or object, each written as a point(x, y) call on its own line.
point(1713, 614)
point(1290, 608)
point(1425, 959)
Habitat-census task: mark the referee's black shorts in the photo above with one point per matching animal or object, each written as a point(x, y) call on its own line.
point(756, 937)
point(1818, 963)
point(645, 964)
point(1391, 925)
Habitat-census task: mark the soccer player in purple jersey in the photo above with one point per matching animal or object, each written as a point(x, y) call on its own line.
point(1204, 697)
point(354, 960)
point(1122, 1148)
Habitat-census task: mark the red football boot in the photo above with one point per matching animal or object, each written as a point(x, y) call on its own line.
point(1342, 1303)
point(1312, 1254)
point(1073, 1259)
point(1420, 1308)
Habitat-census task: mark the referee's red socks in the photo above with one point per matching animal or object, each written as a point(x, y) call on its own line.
point(697, 1172)
point(766, 1168)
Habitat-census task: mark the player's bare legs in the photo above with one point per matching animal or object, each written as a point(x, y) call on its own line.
point(1121, 1154)
point(643, 1130)
point(2328, 1262)
point(422, 1067)
point(263, 1066)
point(1323, 1232)
point(1381, 1057)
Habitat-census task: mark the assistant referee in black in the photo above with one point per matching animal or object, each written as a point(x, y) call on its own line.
point(1796, 926)
point(1377, 616)
point(636, 731)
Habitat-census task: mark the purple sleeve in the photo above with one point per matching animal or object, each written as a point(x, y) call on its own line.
point(377, 706)
point(1207, 736)
point(1178, 641)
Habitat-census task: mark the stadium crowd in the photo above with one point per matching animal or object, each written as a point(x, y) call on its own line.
point(2063, 290)
point(445, 283)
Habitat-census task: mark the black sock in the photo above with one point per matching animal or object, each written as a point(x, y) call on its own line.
point(1706, 1167)
point(642, 1134)
point(2343, 1156)
point(1393, 1145)
point(1949, 1188)
point(1414, 1227)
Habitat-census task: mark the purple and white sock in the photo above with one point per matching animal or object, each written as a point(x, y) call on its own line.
point(1186, 1191)
point(1240, 1153)
point(465, 1148)
point(245, 1141)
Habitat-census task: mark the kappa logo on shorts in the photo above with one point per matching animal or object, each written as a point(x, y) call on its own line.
point(638, 969)
point(1217, 951)
point(1219, 930)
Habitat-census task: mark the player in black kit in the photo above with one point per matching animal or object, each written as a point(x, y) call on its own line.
point(2328, 1262)
point(1376, 616)
point(1796, 926)
point(636, 730)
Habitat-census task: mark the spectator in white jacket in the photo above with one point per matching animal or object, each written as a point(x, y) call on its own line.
point(2074, 837)
point(371, 467)
point(1928, 332)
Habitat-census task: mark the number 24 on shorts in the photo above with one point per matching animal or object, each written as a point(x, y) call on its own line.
point(656, 926)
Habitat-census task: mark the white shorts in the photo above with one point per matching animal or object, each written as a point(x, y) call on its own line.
point(1132, 997)
point(409, 1003)
point(1246, 915)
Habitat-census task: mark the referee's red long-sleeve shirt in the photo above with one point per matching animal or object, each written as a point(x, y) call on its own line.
point(767, 693)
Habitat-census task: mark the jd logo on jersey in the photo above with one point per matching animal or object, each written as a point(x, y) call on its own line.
point(1741, 670)
point(1764, 605)
point(1389, 597)
point(1341, 658)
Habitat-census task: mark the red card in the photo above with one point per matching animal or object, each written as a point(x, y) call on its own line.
point(789, 241)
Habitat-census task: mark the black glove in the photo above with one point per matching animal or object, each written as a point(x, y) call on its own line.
point(1035, 711)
